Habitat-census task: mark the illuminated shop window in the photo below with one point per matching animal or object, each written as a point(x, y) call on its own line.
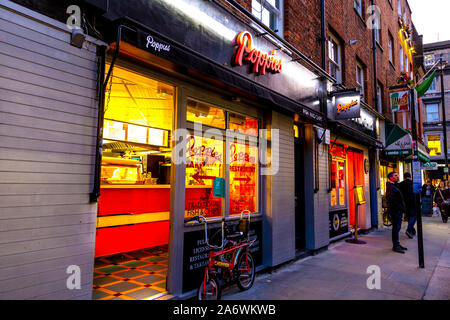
point(205, 114)
point(434, 144)
point(243, 177)
point(243, 124)
point(205, 163)
point(337, 176)
point(207, 166)
point(136, 130)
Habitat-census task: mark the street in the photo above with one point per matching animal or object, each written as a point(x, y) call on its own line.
point(340, 272)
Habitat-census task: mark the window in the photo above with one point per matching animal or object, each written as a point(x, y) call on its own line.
point(334, 59)
point(399, 8)
point(391, 48)
point(208, 167)
point(377, 34)
point(432, 112)
point(358, 6)
point(433, 85)
point(379, 98)
point(337, 175)
point(360, 79)
point(269, 13)
point(434, 144)
point(401, 58)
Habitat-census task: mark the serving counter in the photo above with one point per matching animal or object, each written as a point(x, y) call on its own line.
point(135, 216)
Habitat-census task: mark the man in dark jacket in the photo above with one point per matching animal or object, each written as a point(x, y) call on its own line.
point(396, 207)
point(406, 187)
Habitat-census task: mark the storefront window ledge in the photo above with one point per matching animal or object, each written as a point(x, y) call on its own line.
point(217, 220)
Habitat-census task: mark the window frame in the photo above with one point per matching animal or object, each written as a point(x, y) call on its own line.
point(242, 138)
point(275, 14)
point(391, 47)
point(358, 3)
point(435, 112)
point(337, 64)
point(360, 74)
point(440, 143)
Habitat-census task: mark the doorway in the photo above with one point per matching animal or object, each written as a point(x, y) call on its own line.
point(355, 160)
point(299, 145)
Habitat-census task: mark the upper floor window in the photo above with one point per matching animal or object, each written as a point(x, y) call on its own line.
point(268, 12)
point(401, 59)
point(358, 6)
point(391, 48)
point(434, 144)
point(433, 85)
point(399, 8)
point(379, 98)
point(432, 111)
point(334, 59)
point(360, 79)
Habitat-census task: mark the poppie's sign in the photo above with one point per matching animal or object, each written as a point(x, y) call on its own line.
point(261, 62)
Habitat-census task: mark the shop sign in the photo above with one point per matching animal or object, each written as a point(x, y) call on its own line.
point(338, 223)
point(402, 146)
point(196, 253)
point(260, 61)
point(430, 166)
point(347, 105)
point(157, 46)
point(399, 101)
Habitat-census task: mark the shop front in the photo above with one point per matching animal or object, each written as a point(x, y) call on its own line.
point(352, 163)
point(187, 133)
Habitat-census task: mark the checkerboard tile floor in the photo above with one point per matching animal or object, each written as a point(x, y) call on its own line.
point(136, 275)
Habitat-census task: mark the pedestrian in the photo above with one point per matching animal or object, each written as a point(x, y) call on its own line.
point(396, 207)
point(406, 187)
point(427, 196)
point(441, 197)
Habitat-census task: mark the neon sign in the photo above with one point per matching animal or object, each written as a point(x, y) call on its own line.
point(261, 61)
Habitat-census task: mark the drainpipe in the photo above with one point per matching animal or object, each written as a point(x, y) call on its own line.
point(374, 51)
point(323, 37)
point(93, 197)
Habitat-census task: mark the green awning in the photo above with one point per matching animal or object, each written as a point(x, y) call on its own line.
point(423, 158)
point(398, 141)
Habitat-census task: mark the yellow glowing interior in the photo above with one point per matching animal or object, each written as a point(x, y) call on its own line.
point(434, 144)
point(137, 99)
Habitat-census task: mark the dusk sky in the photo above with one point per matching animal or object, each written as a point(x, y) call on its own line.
point(432, 19)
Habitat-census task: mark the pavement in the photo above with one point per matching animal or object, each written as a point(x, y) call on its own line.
point(340, 273)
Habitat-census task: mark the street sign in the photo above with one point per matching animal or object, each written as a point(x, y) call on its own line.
point(430, 166)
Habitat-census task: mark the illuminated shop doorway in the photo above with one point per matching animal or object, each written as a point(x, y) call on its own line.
point(131, 249)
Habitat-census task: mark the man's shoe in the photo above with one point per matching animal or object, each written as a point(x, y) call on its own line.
point(410, 235)
point(403, 248)
point(398, 249)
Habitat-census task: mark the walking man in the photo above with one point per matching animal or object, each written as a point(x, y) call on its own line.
point(406, 187)
point(396, 207)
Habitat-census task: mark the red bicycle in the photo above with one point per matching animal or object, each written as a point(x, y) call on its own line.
point(231, 261)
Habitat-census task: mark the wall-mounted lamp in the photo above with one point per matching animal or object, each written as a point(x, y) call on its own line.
point(77, 38)
point(352, 42)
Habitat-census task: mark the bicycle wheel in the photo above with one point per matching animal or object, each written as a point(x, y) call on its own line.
point(210, 291)
point(245, 278)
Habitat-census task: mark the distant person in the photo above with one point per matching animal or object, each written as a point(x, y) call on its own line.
point(440, 198)
point(406, 187)
point(427, 196)
point(396, 207)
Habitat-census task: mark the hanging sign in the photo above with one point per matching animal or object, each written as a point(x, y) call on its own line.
point(347, 105)
point(359, 195)
point(260, 61)
point(399, 101)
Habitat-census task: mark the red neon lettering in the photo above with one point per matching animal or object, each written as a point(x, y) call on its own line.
point(261, 61)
